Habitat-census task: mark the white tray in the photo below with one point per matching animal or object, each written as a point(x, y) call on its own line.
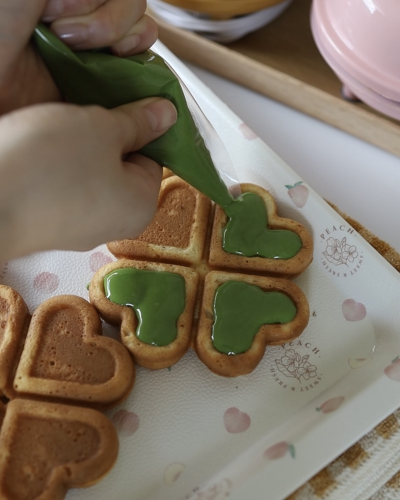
point(186, 433)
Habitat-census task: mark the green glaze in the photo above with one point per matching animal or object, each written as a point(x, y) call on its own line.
point(98, 77)
point(240, 309)
point(158, 299)
point(246, 232)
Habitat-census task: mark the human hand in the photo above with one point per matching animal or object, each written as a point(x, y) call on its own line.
point(69, 179)
point(81, 24)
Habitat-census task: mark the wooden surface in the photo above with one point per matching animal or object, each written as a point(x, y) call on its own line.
point(281, 61)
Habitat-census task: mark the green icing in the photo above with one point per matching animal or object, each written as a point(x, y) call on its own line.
point(246, 232)
point(240, 309)
point(98, 77)
point(158, 299)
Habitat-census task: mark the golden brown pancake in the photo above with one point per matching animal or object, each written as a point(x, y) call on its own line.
point(147, 355)
point(186, 231)
point(14, 321)
point(47, 448)
point(283, 268)
point(66, 358)
point(269, 334)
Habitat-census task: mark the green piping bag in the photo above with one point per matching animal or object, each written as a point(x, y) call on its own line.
point(98, 77)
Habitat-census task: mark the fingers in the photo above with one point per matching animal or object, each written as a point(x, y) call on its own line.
point(138, 39)
point(66, 8)
point(145, 176)
point(95, 23)
point(18, 19)
point(141, 122)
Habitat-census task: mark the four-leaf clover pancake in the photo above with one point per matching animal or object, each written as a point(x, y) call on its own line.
point(253, 240)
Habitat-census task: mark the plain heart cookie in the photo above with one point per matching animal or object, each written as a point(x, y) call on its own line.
point(47, 448)
point(66, 358)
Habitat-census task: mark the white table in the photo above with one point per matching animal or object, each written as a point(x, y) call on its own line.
point(362, 180)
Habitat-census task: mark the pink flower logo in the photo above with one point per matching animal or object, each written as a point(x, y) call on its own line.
point(340, 252)
point(295, 366)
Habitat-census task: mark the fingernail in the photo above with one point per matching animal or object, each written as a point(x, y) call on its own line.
point(54, 9)
point(72, 34)
point(127, 45)
point(161, 114)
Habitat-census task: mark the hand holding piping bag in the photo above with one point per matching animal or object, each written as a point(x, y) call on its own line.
point(99, 77)
point(70, 181)
point(121, 25)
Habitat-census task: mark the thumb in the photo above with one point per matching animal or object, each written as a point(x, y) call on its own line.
point(18, 19)
point(143, 121)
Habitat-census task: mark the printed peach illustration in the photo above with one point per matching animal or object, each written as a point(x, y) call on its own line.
point(247, 133)
point(172, 472)
point(236, 421)
point(98, 260)
point(126, 422)
point(393, 370)
point(279, 450)
point(358, 362)
point(218, 491)
point(298, 193)
point(331, 405)
point(46, 282)
point(353, 311)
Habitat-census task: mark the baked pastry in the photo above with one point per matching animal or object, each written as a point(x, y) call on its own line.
point(47, 448)
point(56, 356)
point(14, 321)
point(202, 250)
point(241, 314)
point(275, 246)
point(161, 295)
point(178, 231)
point(66, 359)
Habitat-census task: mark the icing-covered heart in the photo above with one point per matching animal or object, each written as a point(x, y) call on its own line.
point(247, 233)
point(65, 357)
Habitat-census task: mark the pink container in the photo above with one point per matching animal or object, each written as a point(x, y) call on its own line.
point(360, 40)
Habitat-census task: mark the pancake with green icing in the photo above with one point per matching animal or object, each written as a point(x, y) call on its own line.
point(241, 315)
point(152, 303)
point(248, 246)
point(249, 236)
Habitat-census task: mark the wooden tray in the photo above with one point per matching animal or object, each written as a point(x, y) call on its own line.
point(281, 61)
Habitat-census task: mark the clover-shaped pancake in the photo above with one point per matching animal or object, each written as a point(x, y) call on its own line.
point(154, 304)
point(47, 448)
point(288, 255)
point(66, 358)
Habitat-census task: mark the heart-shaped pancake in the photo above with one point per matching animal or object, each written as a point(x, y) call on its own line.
point(136, 303)
point(66, 358)
point(240, 315)
point(14, 322)
point(47, 448)
point(279, 235)
point(178, 230)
